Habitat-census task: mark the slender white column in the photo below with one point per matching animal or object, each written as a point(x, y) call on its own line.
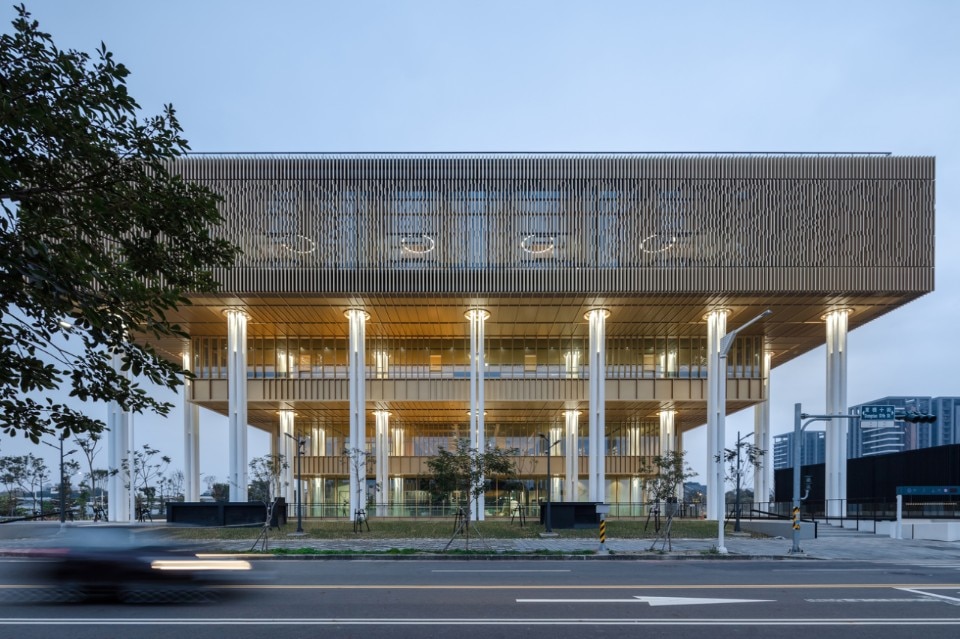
point(836, 404)
point(288, 448)
point(596, 484)
point(571, 418)
point(717, 390)
point(477, 317)
point(356, 369)
point(237, 401)
point(191, 439)
point(761, 437)
point(382, 418)
point(398, 445)
point(668, 438)
point(119, 448)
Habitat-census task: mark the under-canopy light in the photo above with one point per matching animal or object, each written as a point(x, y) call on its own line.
point(417, 244)
point(665, 245)
point(538, 244)
point(301, 245)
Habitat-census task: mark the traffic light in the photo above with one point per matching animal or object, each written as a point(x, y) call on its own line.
point(917, 418)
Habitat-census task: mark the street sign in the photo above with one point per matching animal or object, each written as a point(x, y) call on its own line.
point(928, 490)
point(881, 412)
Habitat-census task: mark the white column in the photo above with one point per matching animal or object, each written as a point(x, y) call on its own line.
point(382, 418)
point(119, 448)
point(761, 437)
point(287, 446)
point(191, 438)
point(668, 439)
point(836, 444)
point(668, 433)
point(477, 317)
point(237, 401)
point(596, 483)
point(571, 418)
point(356, 369)
point(717, 391)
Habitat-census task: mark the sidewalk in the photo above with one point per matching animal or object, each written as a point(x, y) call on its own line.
point(832, 544)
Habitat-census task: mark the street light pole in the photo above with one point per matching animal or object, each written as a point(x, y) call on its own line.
point(726, 343)
point(300, 442)
point(548, 520)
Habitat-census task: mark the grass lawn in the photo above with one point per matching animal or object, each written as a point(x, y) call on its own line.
point(443, 528)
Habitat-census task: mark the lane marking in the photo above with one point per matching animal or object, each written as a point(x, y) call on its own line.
point(653, 601)
point(953, 600)
point(914, 600)
point(458, 571)
point(933, 621)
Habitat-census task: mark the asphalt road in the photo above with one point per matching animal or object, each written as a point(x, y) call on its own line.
point(521, 598)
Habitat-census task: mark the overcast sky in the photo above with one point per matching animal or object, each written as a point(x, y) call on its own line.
point(566, 76)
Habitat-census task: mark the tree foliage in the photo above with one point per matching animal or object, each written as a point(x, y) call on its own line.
point(462, 474)
point(669, 472)
point(267, 475)
point(99, 241)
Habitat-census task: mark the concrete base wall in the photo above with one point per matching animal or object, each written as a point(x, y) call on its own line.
point(922, 529)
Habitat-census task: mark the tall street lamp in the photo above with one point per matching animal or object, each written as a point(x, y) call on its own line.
point(301, 441)
point(63, 481)
point(726, 343)
point(549, 479)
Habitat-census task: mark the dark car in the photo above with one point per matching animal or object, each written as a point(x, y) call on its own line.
point(124, 564)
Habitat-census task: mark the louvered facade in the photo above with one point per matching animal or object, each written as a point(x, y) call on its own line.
point(538, 242)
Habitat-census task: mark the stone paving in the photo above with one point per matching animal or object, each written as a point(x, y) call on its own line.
point(832, 544)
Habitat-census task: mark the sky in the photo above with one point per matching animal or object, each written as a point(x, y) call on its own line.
point(556, 76)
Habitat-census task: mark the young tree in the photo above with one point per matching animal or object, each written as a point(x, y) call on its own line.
point(463, 474)
point(99, 241)
point(668, 474)
point(90, 446)
point(267, 474)
point(741, 461)
point(220, 491)
point(144, 471)
point(358, 460)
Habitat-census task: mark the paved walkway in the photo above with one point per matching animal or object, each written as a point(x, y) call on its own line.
point(832, 544)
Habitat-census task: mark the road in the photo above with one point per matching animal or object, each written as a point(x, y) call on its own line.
point(572, 598)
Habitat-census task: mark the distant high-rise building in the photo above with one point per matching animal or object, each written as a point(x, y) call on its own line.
point(813, 449)
point(864, 440)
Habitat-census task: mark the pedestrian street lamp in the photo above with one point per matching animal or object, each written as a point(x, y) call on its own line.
point(63, 480)
point(726, 343)
point(301, 442)
point(549, 521)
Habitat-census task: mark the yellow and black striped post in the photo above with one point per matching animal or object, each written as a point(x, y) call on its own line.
point(603, 535)
point(796, 518)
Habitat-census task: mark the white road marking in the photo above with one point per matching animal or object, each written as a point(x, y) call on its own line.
point(653, 601)
point(458, 571)
point(954, 600)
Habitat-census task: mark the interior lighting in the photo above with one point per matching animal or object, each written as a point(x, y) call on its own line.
point(664, 246)
point(417, 244)
point(538, 244)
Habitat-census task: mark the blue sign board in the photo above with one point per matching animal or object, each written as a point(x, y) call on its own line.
point(928, 490)
point(878, 412)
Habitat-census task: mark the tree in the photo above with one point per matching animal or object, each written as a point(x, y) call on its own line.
point(358, 460)
point(142, 472)
point(267, 474)
point(90, 446)
point(740, 460)
point(462, 474)
point(99, 241)
point(220, 491)
point(669, 472)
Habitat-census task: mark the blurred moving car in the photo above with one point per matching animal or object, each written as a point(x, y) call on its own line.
point(124, 564)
